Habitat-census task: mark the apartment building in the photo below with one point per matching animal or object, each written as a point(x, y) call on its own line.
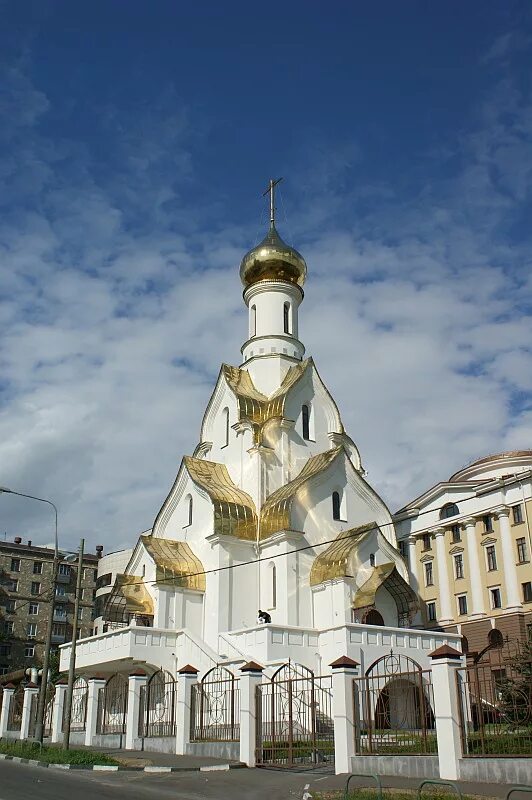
point(25, 593)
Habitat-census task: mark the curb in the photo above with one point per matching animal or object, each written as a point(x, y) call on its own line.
point(111, 768)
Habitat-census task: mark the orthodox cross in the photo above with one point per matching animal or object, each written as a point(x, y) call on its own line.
point(271, 191)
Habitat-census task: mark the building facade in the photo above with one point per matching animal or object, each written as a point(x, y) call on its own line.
point(25, 591)
point(468, 545)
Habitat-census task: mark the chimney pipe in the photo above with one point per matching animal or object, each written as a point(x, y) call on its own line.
point(99, 550)
point(18, 540)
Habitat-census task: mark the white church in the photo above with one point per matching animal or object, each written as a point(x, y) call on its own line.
point(272, 512)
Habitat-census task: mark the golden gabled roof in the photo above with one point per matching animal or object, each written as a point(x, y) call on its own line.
point(256, 407)
point(234, 510)
point(386, 575)
point(332, 563)
point(128, 596)
point(275, 513)
point(175, 562)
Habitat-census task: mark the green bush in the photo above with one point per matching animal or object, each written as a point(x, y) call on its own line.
point(54, 755)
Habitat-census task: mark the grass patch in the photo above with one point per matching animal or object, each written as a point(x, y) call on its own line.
point(54, 755)
point(501, 744)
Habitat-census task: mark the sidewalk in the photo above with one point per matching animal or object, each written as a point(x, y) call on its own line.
point(147, 758)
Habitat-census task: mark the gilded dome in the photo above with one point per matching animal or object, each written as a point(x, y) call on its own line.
point(273, 260)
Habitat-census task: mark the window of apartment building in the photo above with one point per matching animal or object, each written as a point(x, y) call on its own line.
point(456, 534)
point(29, 651)
point(522, 553)
point(80, 614)
point(58, 629)
point(33, 608)
point(459, 566)
point(15, 565)
point(462, 604)
point(93, 595)
point(35, 587)
point(10, 606)
point(491, 558)
point(487, 519)
point(31, 630)
point(529, 631)
point(527, 591)
point(8, 627)
point(495, 596)
point(12, 585)
point(429, 575)
point(64, 569)
point(94, 575)
point(427, 544)
point(37, 567)
point(517, 514)
point(60, 590)
point(431, 611)
point(60, 611)
point(5, 649)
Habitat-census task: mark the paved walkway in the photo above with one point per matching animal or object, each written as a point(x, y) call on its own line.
point(143, 758)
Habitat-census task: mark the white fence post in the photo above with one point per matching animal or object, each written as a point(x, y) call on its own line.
point(187, 677)
point(136, 680)
point(344, 669)
point(445, 661)
point(30, 691)
point(250, 679)
point(57, 712)
point(9, 691)
point(95, 684)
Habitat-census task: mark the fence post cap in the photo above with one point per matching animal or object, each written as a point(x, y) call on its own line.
point(445, 651)
point(251, 666)
point(98, 677)
point(188, 670)
point(31, 685)
point(10, 686)
point(63, 681)
point(139, 673)
point(344, 661)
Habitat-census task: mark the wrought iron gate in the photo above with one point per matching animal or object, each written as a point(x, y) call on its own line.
point(294, 719)
point(158, 705)
point(215, 707)
point(112, 705)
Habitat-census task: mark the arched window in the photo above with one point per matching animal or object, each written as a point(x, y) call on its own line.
point(449, 510)
point(305, 416)
point(286, 318)
point(495, 638)
point(336, 505)
point(373, 617)
point(252, 321)
point(225, 428)
point(188, 511)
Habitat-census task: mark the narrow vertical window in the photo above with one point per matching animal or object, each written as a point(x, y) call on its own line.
point(253, 321)
point(305, 413)
point(286, 317)
point(225, 423)
point(336, 505)
point(188, 511)
point(273, 577)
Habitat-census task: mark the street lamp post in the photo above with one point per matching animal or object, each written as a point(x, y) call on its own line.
point(39, 723)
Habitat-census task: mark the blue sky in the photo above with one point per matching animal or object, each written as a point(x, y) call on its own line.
point(135, 142)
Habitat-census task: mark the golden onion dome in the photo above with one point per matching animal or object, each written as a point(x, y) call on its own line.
point(273, 260)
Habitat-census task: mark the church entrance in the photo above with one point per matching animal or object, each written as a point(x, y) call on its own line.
point(294, 720)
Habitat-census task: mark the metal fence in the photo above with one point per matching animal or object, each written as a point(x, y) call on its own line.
point(215, 707)
point(158, 706)
point(112, 705)
point(394, 708)
point(496, 705)
point(78, 712)
point(294, 719)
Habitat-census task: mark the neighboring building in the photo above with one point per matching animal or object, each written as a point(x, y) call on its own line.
point(272, 512)
point(109, 567)
point(468, 545)
point(25, 592)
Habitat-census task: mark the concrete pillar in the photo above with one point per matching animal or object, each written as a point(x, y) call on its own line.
point(135, 681)
point(412, 563)
point(187, 677)
point(9, 691)
point(513, 599)
point(475, 575)
point(57, 713)
point(445, 661)
point(95, 684)
point(344, 669)
point(446, 609)
point(31, 691)
point(251, 678)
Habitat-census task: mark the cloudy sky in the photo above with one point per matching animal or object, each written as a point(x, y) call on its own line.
point(135, 141)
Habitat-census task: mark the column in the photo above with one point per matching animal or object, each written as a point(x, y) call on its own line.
point(136, 680)
point(251, 678)
point(513, 599)
point(57, 711)
point(95, 684)
point(30, 700)
point(412, 562)
point(9, 691)
point(344, 669)
point(475, 573)
point(445, 661)
point(187, 678)
point(446, 609)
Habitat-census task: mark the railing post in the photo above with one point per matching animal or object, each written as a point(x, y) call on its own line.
point(135, 681)
point(58, 709)
point(445, 660)
point(251, 678)
point(95, 684)
point(187, 677)
point(30, 691)
point(9, 691)
point(344, 669)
